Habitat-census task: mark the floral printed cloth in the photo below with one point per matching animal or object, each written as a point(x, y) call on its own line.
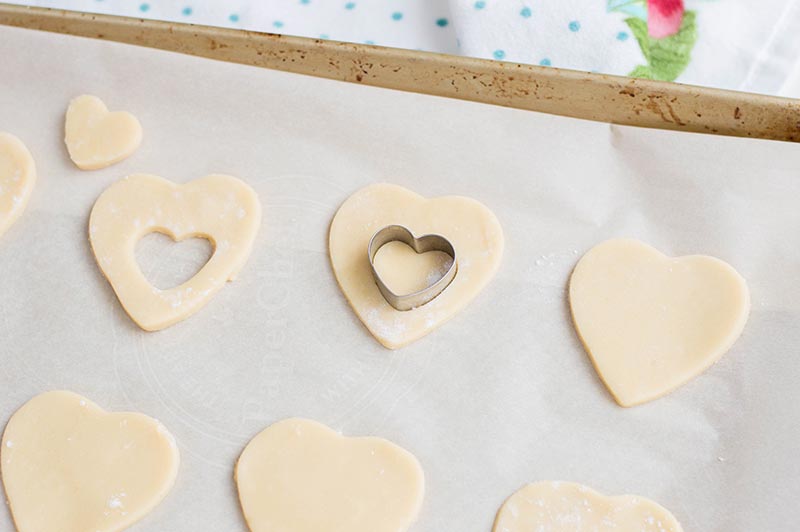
point(737, 44)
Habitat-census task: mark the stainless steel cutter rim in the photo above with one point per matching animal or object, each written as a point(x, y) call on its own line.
point(421, 244)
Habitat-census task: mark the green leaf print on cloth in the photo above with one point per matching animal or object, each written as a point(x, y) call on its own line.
point(666, 57)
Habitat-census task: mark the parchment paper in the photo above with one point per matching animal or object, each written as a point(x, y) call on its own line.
point(501, 395)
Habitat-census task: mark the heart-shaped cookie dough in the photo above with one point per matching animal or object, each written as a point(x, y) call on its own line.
point(17, 179)
point(300, 476)
point(70, 466)
point(470, 227)
point(97, 138)
point(651, 322)
point(218, 207)
point(569, 507)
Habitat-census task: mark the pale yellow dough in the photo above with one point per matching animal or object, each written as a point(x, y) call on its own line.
point(221, 208)
point(473, 230)
point(17, 179)
point(569, 507)
point(70, 466)
point(300, 476)
point(405, 271)
point(651, 322)
point(97, 138)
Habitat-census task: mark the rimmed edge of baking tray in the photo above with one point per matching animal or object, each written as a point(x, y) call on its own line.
point(604, 98)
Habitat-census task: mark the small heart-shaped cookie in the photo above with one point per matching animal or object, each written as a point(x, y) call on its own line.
point(300, 476)
point(97, 138)
point(569, 507)
point(218, 207)
point(469, 226)
point(17, 179)
point(70, 466)
point(651, 322)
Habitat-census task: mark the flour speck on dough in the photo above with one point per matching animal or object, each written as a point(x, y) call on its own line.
point(115, 501)
point(392, 331)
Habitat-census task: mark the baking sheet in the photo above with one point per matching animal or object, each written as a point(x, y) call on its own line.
point(501, 395)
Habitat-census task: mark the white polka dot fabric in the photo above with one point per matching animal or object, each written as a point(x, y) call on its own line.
point(734, 44)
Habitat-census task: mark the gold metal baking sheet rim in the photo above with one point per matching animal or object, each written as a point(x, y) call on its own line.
point(598, 97)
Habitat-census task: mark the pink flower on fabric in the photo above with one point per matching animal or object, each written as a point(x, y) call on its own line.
point(664, 17)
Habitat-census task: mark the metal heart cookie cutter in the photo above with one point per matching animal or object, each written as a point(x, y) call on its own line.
point(422, 244)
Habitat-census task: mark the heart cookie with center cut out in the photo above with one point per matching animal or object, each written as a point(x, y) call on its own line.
point(17, 179)
point(300, 476)
point(221, 208)
point(469, 226)
point(650, 322)
point(96, 137)
point(70, 466)
point(568, 507)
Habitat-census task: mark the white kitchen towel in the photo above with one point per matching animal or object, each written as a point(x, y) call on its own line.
point(733, 44)
point(412, 24)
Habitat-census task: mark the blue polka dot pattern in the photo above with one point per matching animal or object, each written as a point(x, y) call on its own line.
point(574, 26)
point(622, 36)
point(545, 62)
point(427, 24)
point(526, 12)
point(480, 4)
point(499, 54)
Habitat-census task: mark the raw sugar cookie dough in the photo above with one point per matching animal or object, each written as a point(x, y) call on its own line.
point(17, 179)
point(97, 138)
point(300, 476)
point(404, 271)
point(221, 208)
point(650, 322)
point(70, 466)
point(468, 225)
point(569, 507)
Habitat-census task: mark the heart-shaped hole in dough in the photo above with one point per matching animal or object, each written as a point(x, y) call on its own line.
point(168, 263)
point(405, 271)
point(218, 207)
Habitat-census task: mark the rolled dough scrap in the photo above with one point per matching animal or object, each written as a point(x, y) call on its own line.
point(221, 208)
point(569, 507)
point(17, 179)
point(300, 476)
point(473, 230)
point(651, 322)
point(70, 466)
point(97, 138)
